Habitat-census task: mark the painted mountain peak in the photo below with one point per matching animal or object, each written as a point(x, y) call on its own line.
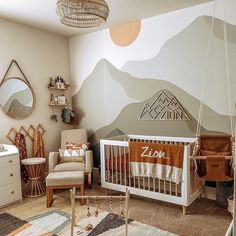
point(164, 107)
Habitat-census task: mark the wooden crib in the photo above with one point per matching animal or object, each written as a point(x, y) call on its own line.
point(116, 171)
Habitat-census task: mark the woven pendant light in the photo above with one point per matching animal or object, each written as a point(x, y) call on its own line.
point(82, 13)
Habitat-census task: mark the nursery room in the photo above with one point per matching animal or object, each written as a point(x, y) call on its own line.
point(117, 117)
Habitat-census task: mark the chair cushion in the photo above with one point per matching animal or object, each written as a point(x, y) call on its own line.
point(65, 178)
point(69, 166)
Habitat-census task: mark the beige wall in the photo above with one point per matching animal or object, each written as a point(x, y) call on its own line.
point(40, 55)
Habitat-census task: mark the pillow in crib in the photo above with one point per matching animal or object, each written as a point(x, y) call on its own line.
point(71, 156)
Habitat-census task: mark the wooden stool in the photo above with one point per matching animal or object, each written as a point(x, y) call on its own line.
point(63, 180)
point(35, 168)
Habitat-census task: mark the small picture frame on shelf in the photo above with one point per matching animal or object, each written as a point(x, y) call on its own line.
point(61, 100)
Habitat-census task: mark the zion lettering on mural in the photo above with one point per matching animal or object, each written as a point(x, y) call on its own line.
point(164, 107)
point(149, 152)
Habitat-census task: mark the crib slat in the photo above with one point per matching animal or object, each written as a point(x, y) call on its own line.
point(116, 153)
point(149, 183)
point(159, 185)
point(120, 165)
point(125, 165)
point(170, 188)
point(154, 184)
point(164, 187)
point(176, 190)
point(106, 171)
point(144, 183)
point(112, 157)
point(129, 168)
point(108, 163)
point(138, 182)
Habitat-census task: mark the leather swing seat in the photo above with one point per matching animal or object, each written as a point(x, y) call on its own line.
point(215, 167)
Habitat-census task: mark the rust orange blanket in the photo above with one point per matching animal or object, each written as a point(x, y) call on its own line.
point(163, 161)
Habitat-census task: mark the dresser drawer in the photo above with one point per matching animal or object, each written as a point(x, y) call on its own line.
point(9, 174)
point(9, 160)
point(10, 193)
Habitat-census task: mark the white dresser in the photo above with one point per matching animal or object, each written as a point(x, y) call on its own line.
point(10, 179)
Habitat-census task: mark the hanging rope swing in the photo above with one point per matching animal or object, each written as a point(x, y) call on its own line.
point(216, 163)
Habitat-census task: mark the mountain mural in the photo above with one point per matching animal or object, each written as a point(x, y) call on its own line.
point(127, 101)
point(164, 107)
point(126, 121)
point(182, 59)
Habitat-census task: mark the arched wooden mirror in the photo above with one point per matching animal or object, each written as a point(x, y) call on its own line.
point(17, 97)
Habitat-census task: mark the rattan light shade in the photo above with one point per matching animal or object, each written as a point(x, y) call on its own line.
point(82, 13)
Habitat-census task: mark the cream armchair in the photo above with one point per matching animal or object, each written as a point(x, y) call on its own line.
point(73, 136)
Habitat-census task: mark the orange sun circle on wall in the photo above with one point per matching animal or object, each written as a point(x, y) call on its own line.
point(126, 34)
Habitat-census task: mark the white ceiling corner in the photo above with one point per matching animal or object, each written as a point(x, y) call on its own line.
point(41, 13)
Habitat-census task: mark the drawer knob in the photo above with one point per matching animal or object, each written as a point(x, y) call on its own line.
point(12, 192)
point(10, 161)
point(11, 174)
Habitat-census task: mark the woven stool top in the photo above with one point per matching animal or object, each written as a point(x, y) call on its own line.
point(33, 161)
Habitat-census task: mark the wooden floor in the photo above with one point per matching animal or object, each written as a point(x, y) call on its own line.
point(204, 217)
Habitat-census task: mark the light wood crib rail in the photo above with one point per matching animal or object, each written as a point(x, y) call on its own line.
point(116, 171)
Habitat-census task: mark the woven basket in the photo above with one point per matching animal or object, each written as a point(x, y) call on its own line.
point(230, 204)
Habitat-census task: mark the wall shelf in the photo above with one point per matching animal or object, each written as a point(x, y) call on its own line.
point(50, 104)
point(55, 88)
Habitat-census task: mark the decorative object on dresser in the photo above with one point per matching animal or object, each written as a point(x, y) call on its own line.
point(17, 97)
point(10, 181)
point(77, 136)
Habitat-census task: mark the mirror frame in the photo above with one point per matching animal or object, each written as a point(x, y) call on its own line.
point(33, 96)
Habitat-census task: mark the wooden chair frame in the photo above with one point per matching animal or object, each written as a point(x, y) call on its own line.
point(49, 192)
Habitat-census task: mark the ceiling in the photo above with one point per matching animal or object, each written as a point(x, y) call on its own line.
point(41, 13)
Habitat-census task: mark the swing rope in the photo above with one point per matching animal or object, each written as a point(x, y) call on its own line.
point(227, 66)
point(205, 75)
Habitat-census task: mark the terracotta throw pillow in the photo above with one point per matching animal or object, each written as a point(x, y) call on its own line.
point(71, 156)
point(73, 146)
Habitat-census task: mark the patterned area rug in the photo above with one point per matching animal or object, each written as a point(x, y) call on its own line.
point(47, 224)
point(107, 224)
point(55, 223)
